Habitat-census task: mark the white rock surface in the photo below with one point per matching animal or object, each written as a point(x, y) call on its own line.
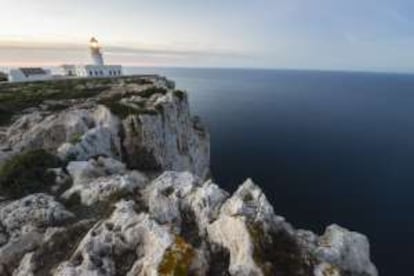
point(170, 140)
point(38, 130)
point(29, 213)
point(236, 235)
point(232, 233)
point(230, 230)
point(346, 250)
point(24, 222)
point(97, 180)
point(106, 243)
point(102, 139)
point(174, 193)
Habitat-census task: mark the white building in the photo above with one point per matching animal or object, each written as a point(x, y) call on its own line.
point(91, 70)
point(29, 74)
point(97, 69)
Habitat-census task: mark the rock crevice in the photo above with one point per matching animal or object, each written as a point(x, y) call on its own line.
point(126, 191)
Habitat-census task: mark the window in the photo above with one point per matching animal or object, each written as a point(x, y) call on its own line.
point(90, 73)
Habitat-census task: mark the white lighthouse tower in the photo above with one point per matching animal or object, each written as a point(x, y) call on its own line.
point(95, 70)
point(96, 52)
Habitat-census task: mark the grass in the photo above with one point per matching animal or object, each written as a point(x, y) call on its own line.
point(140, 81)
point(122, 110)
point(16, 97)
point(28, 173)
point(151, 91)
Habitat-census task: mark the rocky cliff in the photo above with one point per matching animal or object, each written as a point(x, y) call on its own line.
point(111, 177)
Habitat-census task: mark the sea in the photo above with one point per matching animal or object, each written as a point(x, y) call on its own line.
point(326, 147)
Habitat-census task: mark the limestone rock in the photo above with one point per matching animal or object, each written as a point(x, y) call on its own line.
point(127, 243)
point(24, 221)
point(346, 250)
point(139, 163)
point(99, 180)
point(232, 233)
point(173, 195)
point(168, 141)
point(34, 211)
point(40, 130)
point(102, 139)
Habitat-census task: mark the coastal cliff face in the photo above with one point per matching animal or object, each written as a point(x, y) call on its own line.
point(111, 177)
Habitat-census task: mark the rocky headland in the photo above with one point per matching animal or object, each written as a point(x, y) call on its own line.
point(111, 177)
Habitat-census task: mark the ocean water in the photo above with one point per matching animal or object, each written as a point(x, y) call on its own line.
point(326, 147)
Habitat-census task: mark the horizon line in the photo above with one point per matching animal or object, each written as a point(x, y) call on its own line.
point(160, 66)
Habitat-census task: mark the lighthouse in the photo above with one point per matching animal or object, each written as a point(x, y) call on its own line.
point(96, 52)
point(97, 68)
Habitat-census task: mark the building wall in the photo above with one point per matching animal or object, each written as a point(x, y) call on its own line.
point(68, 70)
point(91, 71)
point(102, 71)
point(16, 75)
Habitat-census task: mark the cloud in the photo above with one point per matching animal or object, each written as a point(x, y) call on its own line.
point(18, 52)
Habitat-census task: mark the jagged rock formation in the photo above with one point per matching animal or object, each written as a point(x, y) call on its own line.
point(122, 188)
point(146, 124)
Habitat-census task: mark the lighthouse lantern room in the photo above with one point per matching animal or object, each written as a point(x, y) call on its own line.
point(96, 69)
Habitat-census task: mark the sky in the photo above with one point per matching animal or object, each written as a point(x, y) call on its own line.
point(362, 35)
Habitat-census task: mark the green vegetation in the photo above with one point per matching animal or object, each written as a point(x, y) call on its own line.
point(16, 97)
point(180, 94)
point(56, 107)
point(151, 91)
point(122, 110)
point(140, 81)
point(3, 76)
point(278, 253)
point(76, 138)
point(177, 259)
point(28, 173)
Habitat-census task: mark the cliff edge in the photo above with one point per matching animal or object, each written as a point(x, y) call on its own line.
point(111, 177)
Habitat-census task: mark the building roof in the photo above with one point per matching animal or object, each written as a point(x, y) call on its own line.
point(33, 71)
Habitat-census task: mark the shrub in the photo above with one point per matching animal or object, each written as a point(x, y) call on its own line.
point(122, 110)
point(14, 97)
point(180, 94)
point(28, 173)
point(3, 76)
point(76, 138)
point(151, 91)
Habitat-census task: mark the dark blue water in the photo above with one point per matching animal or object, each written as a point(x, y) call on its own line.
point(327, 147)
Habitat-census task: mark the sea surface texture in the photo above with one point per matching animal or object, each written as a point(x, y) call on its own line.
point(327, 147)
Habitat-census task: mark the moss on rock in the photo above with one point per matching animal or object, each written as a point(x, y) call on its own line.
point(177, 259)
point(278, 253)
